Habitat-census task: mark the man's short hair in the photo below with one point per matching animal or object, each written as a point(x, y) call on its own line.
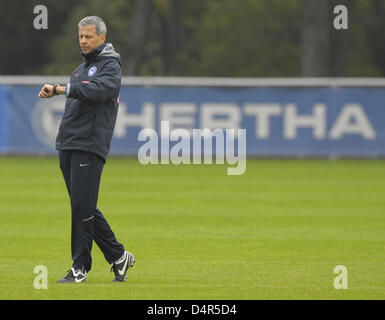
point(99, 24)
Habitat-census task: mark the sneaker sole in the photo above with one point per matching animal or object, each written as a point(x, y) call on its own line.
point(66, 281)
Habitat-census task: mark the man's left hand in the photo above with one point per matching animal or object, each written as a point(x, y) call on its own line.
point(46, 91)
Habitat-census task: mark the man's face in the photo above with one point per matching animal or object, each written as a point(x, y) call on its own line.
point(89, 39)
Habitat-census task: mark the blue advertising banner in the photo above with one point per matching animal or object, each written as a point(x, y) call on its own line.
point(4, 118)
point(311, 121)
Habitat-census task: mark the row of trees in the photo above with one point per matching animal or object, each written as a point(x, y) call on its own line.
point(247, 38)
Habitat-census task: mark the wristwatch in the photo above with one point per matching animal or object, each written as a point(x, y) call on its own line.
point(54, 89)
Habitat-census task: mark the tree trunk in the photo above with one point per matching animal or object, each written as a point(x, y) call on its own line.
point(174, 36)
point(315, 55)
point(140, 28)
point(171, 36)
point(341, 40)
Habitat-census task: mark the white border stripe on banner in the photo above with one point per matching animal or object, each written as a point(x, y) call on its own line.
point(210, 82)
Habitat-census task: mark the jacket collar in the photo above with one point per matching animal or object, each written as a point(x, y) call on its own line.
point(94, 53)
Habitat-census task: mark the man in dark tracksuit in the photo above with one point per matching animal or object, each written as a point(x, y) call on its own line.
point(83, 143)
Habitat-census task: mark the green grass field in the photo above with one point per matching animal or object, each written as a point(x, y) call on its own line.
point(277, 232)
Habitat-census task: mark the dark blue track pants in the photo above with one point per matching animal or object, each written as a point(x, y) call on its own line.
point(82, 173)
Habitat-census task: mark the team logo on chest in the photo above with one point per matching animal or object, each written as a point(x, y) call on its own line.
point(92, 71)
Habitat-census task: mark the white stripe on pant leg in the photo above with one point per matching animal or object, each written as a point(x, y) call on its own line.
point(88, 219)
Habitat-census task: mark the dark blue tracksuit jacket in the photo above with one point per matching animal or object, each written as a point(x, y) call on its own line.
point(92, 103)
